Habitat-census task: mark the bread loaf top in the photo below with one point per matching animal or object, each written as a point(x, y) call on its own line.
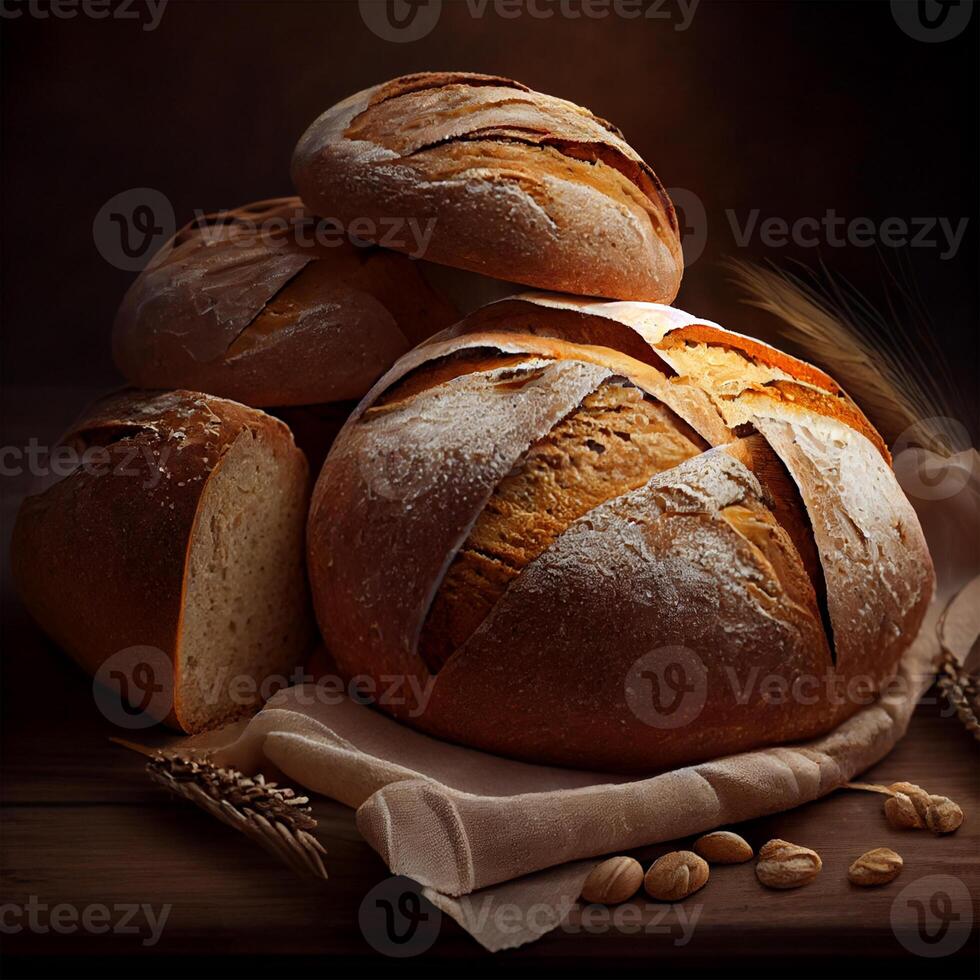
point(519, 185)
point(803, 554)
point(266, 305)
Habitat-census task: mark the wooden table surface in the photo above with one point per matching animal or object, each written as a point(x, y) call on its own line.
point(82, 825)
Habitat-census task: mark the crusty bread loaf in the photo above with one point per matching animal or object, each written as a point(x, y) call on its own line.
point(615, 441)
point(261, 305)
point(565, 491)
point(514, 184)
point(185, 536)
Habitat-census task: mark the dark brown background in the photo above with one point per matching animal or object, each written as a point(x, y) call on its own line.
point(789, 108)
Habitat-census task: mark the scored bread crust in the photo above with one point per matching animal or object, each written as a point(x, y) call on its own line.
point(100, 558)
point(517, 185)
point(671, 571)
point(543, 676)
point(237, 299)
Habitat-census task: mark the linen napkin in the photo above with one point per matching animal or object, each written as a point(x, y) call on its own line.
point(478, 831)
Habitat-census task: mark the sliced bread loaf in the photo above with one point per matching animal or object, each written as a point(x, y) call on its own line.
point(180, 534)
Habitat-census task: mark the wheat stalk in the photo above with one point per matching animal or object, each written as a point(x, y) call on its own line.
point(892, 366)
point(962, 691)
point(271, 815)
point(960, 686)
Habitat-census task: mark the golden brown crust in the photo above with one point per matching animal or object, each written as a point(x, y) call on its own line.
point(752, 350)
point(250, 305)
point(522, 186)
point(669, 340)
point(615, 441)
point(783, 499)
point(786, 552)
point(99, 558)
point(576, 639)
point(409, 479)
point(423, 80)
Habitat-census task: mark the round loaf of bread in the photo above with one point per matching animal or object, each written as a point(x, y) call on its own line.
point(269, 306)
point(497, 179)
point(616, 537)
point(179, 532)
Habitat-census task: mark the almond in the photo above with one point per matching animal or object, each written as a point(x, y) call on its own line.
point(903, 814)
point(912, 808)
point(943, 816)
point(613, 881)
point(876, 867)
point(785, 865)
point(723, 847)
point(675, 876)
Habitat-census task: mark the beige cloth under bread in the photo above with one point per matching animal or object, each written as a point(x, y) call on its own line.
point(480, 832)
point(463, 823)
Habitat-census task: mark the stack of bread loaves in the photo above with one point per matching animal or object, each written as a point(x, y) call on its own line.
point(585, 528)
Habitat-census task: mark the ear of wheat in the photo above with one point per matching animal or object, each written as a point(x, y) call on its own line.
point(958, 672)
point(962, 691)
point(894, 369)
point(891, 364)
point(271, 815)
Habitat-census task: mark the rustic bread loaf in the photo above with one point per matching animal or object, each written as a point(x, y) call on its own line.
point(565, 492)
point(511, 183)
point(270, 307)
point(181, 530)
